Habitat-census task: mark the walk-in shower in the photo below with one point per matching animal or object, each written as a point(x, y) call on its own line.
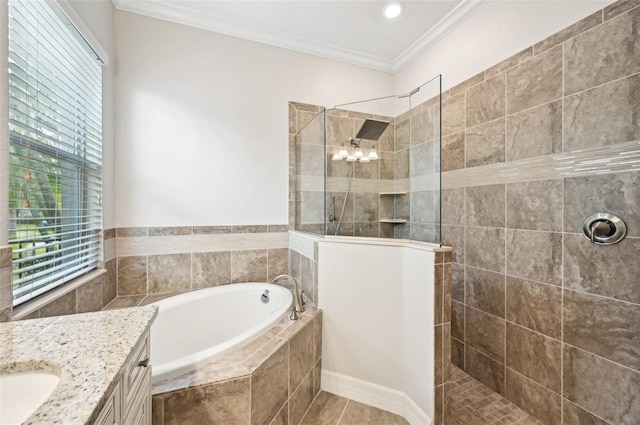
point(371, 168)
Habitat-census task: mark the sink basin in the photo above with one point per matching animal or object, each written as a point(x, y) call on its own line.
point(21, 393)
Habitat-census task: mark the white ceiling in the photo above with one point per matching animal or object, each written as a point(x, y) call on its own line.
point(350, 31)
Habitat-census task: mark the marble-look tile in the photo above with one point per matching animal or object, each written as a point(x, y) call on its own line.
point(617, 194)
point(310, 208)
point(603, 326)
point(457, 282)
point(510, 62)
point(386, 162)
point(270, 386)
point(61, 306)
point(606, 53)
point(278, 262)
point(424, 206)
point(611, 271)
point(169, 273)
point(301, 355)
point(366, 207)
point(317, 338)
point(309, 160)
point(422, 159)
point(618, 8)
point(485, 205)
point(110, 282)
point(446, 312)
point(154, 298)
point(157, 410)
point(311, 132)
point(457, 320)
point(249, 266)
point(484, 369)
point(438, 414)
point(366, 170)
point(401, 164)
point(535, 205)
point(402, 206)
point(252, 228)
point(453, 206)
point(535, 356)
point(616, 106)
point(534, 132)
point(466, 84)
point(446, 354)
point(132, 275)
point(211, 230)
point(337, 199)
point(210, 269)
point(485, 333)
point(360, 414)
point(423, 124)
point(131, 232)
point(485, 101)
point(569, 32)
point(438, 290)
point(403, 135)
point(326, 409)
point(5, 257)
point(124, 302)
point(535, 82)
point(438, 355)
point(535, 255)
point(453, 236)
point(604, 388)
point(301, 400)
point(533, 398)
point(485, 144)
point(170, 231)
point(367, 229)
point(453, 114)
point(485, 291)
point(282, 418)
point(89, 295)
point(457, 353)
point(453, 147)
point(485, 248)
point(386, 141)
point(317, 377)
point(535, 305)
point(225, 403)
point(574, 415)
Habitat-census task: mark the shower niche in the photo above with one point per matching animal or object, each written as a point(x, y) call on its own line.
point(369, 168)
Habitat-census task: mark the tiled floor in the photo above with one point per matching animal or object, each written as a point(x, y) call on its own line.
point(471, 404)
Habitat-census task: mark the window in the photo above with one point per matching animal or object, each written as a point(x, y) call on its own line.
point(55, 131)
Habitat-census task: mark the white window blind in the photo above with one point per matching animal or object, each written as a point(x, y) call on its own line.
point(55, 130)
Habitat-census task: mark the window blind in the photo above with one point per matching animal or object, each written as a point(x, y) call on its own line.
point(55, 132)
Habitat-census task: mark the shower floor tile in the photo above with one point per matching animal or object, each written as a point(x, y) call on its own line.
point(472, 403)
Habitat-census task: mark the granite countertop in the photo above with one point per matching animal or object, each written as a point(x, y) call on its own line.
point(87, 350)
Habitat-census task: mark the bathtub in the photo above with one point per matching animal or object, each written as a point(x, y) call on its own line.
point(194, 328)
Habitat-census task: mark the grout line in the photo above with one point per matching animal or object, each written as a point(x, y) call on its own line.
point(343, 411)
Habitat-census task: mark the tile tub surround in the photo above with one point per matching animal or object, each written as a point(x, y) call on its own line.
point(6, 297)
point(271, 380)
point(539, 314)
point(163, 260)
point(82, 348)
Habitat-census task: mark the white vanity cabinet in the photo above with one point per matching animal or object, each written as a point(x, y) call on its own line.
point(130, 401)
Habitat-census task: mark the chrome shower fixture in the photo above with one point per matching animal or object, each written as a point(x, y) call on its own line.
point(370, 130)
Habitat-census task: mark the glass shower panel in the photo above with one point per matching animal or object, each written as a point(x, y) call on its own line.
point(424, 124)
point(309, 181)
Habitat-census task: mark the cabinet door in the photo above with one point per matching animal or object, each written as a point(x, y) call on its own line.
point(110, 414)
point(140, 411)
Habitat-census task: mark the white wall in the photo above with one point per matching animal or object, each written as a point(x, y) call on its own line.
point(497, 31)
point(378, 323)
point(201, 122)
point(97, 15)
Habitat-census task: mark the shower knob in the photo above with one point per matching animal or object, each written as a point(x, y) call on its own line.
point(604, 229)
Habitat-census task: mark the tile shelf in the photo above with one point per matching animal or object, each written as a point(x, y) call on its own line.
point(392, 220)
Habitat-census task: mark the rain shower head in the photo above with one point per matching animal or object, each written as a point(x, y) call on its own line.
point(372, 129)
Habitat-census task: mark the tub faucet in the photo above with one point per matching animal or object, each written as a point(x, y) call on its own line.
point(297, 305)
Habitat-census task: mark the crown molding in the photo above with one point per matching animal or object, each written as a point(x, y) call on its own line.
point(182, 14)
point(436, 33)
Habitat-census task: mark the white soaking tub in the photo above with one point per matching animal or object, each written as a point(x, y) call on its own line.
point(196, 327)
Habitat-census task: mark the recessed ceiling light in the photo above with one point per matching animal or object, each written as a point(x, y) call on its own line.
point(393, 9)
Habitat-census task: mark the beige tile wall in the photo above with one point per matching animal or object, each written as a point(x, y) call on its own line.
point(6, 297)
point(161, 260)
point(531, 147)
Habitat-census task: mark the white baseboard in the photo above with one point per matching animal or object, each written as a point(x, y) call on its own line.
point(375, 395)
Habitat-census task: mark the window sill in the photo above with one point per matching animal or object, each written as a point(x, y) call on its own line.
point(24, 310)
